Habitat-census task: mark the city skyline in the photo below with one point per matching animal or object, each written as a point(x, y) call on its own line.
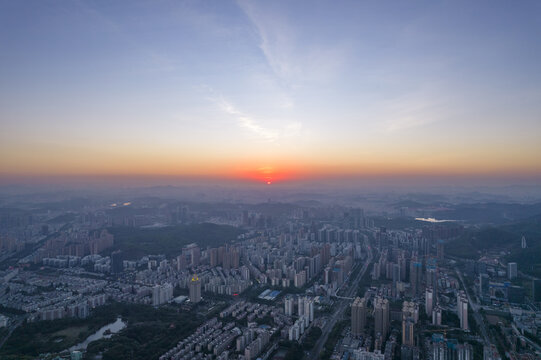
point(270, 92)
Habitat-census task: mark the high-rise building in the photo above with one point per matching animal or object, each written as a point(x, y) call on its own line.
point(536, 290)
point(181, 262)
point(436, 315)
point(117, 262)
point(300, 306)
point(381, 316)
point(362, 354)
point(483, 285)
point(432, 281)
point(429, 301)
point(162, 294)
point(511, 270)
point(449, 349)
point(462, 310)
point(416, 272)
point(440, 249)
point(294, 332)
point(309, 309)
point(193, 252)
point(396, 279)
point(213, 257)
point(410, 309)
point(288, 306)
point(408, 337)
point(195, 289)
point(402, 265)
point(358, 316)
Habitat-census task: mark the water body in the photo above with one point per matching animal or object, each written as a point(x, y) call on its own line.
point(112, 327)
point(432, 220)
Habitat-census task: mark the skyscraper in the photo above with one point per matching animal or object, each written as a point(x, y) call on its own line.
point(358, 316)
point(195, 289)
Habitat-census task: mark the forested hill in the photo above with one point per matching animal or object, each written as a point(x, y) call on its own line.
point(137, 242)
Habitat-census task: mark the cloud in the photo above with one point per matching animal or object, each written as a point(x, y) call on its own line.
point(413, 110)
point(246, 121)
point(293, 57)
point(252, 124)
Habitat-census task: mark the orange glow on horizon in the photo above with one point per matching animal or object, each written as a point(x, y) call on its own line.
point(277, 169)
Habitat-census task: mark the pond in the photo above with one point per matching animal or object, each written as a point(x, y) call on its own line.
point(103, 333)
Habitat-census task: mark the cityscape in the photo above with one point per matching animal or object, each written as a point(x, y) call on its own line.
point(270, 180)
point(159, 278)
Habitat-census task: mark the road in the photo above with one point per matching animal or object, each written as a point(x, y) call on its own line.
point(340, 307)
point(475, 307)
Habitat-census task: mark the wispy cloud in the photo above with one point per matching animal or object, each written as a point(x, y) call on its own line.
point(413, 110)
point(251, 123)
point(293, 58)
point(246, 121)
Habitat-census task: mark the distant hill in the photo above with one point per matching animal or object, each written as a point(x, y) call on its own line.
point(505, 237)
point(137, 242)
point(491, 213)
point(529, 259)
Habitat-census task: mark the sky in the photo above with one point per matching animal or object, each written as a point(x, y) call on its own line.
point(270, 91)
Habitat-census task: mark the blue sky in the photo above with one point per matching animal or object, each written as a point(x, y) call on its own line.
point(199, 86)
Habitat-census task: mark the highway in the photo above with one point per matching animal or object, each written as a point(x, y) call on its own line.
point(340, 307)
